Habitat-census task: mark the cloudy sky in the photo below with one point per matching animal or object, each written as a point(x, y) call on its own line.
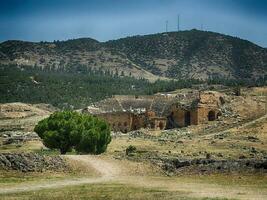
point(48, 20)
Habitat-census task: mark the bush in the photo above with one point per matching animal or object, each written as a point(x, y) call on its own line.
point(130, 149)
point(237, 91)
point(70, 130)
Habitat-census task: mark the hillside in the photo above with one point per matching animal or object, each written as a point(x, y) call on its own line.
point(71, 56)
point(195, 54)
point(66, 89)
point(184, 54)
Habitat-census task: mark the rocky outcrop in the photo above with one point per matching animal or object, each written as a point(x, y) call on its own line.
point(31, 162)
point(212, 165)
point(17, 137)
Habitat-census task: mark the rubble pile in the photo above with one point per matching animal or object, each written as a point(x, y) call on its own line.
point(31, 162)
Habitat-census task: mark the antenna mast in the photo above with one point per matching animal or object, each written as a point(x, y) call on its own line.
point(167, 26)
point(178, 23)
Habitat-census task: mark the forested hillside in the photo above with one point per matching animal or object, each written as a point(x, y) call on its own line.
point(75, 73)
point(194, 54)
point(183, 55)
point(73, 89)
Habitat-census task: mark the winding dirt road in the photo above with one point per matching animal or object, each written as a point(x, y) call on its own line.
point(106, 170)
point(110, 170)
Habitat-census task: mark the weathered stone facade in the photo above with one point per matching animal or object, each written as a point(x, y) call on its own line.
point(203, 109)
point(118, 121)
point(127, 113)
point(127, 121)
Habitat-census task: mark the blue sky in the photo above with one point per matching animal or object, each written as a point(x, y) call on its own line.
point(48, 20)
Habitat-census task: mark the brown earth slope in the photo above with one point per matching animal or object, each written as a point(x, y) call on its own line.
point(185, 54)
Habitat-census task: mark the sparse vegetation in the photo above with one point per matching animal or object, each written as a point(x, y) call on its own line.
point(130, 149)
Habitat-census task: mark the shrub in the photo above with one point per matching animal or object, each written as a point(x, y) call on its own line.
point(237, 91)
point(70, 130)
point(130, 149)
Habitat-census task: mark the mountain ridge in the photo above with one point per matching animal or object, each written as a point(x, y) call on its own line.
point(173, 55)
point(150, 34)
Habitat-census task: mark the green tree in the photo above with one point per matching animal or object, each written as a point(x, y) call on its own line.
point(67, 130)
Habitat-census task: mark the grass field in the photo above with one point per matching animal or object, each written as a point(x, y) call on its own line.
point(103, 192)
point(150, 187)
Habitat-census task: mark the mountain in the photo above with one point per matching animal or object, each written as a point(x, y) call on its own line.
point(184, 54)
point(71, 55)
point(196, 54)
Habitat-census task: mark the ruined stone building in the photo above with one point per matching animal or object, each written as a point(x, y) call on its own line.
point(205, 107)
point(158, 112)
point(128, 121)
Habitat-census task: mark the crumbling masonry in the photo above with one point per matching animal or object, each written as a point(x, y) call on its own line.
point(158, 112)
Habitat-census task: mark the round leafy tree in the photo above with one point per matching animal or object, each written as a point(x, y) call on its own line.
point(67, 130)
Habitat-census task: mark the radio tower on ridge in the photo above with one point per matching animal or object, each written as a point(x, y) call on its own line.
point(178, 22)
point(167, 26)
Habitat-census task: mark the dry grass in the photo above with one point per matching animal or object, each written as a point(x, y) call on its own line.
point(29, 146)
point(98, 191)
point(184, 187)
point(14, 178)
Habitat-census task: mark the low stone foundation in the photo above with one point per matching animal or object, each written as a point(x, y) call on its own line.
point(31, 162)
point(211, 166)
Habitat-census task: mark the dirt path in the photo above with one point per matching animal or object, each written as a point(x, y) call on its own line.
point(106, 170)
point(51, 185)
point(110, 170)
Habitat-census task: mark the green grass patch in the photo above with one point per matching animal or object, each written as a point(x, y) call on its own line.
point(102, 192)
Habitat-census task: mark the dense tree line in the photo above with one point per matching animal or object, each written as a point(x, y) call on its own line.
point(80, 87)
point(74, 89)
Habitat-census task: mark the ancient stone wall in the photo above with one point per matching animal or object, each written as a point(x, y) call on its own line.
point(205, 114)
point(210, 98)
point(179, 117)
point(118, 121)
point(139, 121)
point(126, 121)
point(158, 123)
point(194, 117)
point(135, 112)
point(205, 109)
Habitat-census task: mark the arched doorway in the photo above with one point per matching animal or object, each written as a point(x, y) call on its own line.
point(187, 118)
point(135, 127)
point(161, 125)
point(211, 115)
point(170, 122)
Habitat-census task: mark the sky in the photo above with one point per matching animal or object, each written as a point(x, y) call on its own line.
point(48, 20)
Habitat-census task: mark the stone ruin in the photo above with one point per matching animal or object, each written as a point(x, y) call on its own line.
point(158, 112)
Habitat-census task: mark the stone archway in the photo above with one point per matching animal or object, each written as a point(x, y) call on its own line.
point(211, 115)
point(161, 125)
point(187, 118)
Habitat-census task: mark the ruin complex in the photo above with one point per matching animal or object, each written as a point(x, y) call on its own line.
point(158, 112)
